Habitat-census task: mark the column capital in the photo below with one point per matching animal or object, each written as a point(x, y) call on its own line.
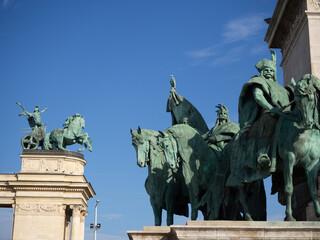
point(84, 213)
point(76, 209)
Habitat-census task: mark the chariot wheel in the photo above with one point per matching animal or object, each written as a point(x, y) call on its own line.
point(29, 141)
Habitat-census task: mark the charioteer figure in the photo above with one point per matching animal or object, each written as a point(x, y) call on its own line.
point(34, 118)
point(34, 139)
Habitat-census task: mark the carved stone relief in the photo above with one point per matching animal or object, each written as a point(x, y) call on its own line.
point(294, 28)
point(39, 208)
point(52, 166)
point(316, 4)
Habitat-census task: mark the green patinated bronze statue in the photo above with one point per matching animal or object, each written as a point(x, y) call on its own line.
point(250, 153)
point(182, 111)
point(223, 169)
point(184, 146)
point(223, 131)
point(297, 144)
point(58, 139)
point(164, 185)
point(72, 133)
point(261, 102)
point(34, 139)
point(34, 119)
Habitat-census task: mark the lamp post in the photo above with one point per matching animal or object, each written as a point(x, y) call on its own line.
point(95, 226)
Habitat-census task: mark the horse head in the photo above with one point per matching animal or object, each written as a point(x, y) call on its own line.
point(306, 98)
point(170, 149)
point(142, 146)
point(76, 120)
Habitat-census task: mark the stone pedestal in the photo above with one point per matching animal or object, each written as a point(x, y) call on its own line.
point(231, 230)
point(303, 209)
point(295, 29)
point(49, 195)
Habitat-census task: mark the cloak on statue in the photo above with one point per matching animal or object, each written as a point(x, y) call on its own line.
point(182, 111)
point(249, 109)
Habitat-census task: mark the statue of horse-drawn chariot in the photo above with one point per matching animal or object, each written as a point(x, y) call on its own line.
point(59, 138)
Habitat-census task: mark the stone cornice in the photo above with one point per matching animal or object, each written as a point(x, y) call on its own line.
point(84, 187)
point(281, 21)
point(52, 153)
point(275, 20)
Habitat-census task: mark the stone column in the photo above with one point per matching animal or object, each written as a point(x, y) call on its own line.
point(75, 226)
point(84, 213)
point(67, 224)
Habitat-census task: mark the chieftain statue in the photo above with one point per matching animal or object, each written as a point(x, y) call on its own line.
point(222, 169)
point(58, 139)
point(223, 131)
point(262, 100)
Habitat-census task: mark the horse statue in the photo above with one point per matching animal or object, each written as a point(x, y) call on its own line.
point(183, 145)
point(301, 127)
point(297, 140)
point(72, 133)
point(164, 185)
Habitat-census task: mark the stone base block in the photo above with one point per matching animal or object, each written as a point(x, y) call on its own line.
point(303, 209)
point(231, 230)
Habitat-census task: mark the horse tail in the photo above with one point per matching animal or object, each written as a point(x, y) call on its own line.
point(46, 142)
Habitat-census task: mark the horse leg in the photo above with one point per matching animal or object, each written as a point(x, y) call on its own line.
point(170, 209)
point(288, 186)
point(83, 141)
point(194, 207)
point(242, 198)
point(171, 197)
point(60, 144)
point(157, 212)
point(205, 215)
point(84, 147)
point(312, 176)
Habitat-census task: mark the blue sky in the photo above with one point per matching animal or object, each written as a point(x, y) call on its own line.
point(111, 61)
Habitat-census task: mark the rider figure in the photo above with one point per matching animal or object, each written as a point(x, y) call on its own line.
point(223, 131)
point(261, 102)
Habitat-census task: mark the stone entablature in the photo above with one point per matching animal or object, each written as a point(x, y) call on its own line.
point(227, 230)
point(49, 195)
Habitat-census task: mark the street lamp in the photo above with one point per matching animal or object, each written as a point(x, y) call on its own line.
point(95, 226)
